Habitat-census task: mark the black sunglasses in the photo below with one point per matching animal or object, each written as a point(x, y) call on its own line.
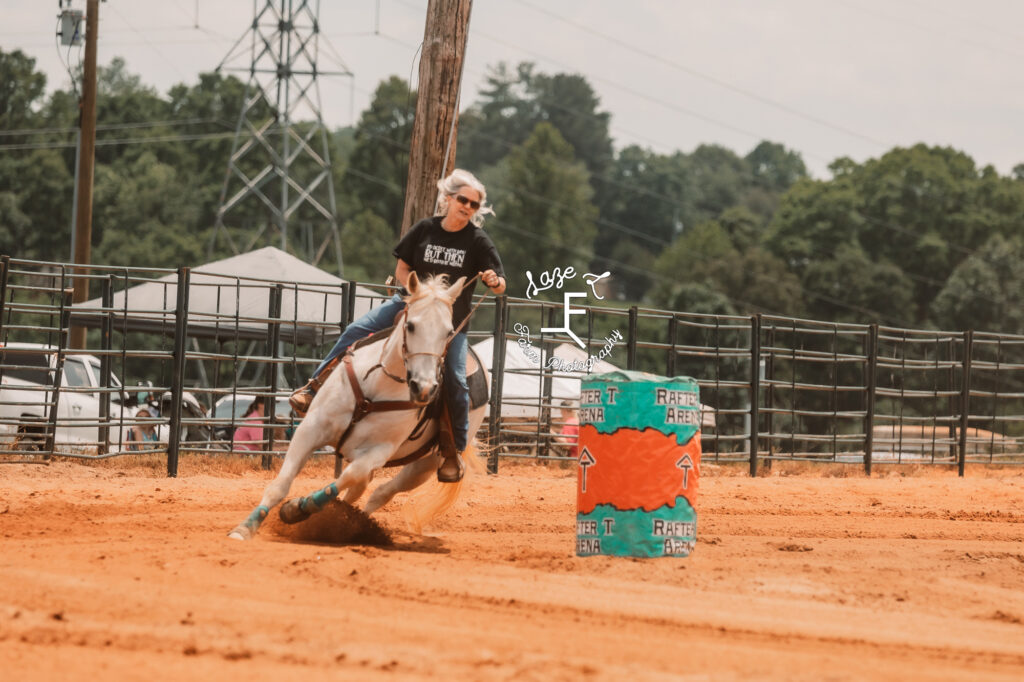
point(466, 201)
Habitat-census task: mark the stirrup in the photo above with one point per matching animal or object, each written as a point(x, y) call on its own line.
point(452, 469)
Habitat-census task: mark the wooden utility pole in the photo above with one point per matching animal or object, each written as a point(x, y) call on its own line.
point(433, 129)
point(86, 161)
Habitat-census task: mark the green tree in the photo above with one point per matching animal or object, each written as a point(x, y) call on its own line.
point(367, 241)
point(720, 180)
point(21, 89)
point(567, 102)
point(813, 219)
point(42, 187)
point(774, 167)
point(699, 299)
point(983, 293)
point(852, 287)
point(139, 219)
point(14, 224)
point(545, 218)
point(379, 164)
point(644, 201)
point(760, 282)
point(703, 254)
point(513, 102)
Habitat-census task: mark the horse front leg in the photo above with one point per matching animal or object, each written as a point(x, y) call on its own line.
point(303, 444)
point(354, 479)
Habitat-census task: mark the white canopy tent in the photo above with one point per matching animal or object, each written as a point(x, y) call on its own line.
point(237, 289)
point(522, 386)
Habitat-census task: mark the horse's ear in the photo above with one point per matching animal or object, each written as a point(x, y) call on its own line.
point(454, 290)
point(413, 284)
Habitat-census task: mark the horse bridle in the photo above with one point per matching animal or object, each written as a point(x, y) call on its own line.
point(405, 346)
point(406, 354)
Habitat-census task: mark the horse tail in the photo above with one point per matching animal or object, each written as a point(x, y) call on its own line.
point(437, 498)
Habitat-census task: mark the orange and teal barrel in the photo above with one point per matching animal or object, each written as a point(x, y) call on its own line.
point(639, 465)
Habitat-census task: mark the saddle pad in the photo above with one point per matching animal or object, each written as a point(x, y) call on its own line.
point(477, 383)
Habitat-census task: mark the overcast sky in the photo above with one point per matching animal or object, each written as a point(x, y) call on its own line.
point(825, 78)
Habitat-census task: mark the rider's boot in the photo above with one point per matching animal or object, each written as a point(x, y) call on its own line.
point(452, 468)
point(302, 398)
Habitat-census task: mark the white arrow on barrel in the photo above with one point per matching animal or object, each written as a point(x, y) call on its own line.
point(586, 460)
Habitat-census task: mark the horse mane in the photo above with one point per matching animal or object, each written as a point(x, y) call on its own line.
point(435, 285)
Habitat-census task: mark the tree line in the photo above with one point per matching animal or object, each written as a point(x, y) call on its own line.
point(920, 236)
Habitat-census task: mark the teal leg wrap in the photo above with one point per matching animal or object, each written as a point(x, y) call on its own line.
point(256, 518)
point(316, 501)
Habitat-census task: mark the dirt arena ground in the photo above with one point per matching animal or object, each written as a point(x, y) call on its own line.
point(114, 572)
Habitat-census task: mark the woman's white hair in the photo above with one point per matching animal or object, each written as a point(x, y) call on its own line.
point(451, 186)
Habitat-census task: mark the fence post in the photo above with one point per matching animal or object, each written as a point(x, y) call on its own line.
point(350, 305)
point(343, 317)
point(755, 387)
point(965, 399)
point(670, 364)
point(871, 351)
point(58, 373)
point(273, 341)
point(546, 381)
point(5, 268)
point(951, 401)
point(106, 332)
point(631, 342)
point(769, 391)
point(497, 377)
point(178, 379)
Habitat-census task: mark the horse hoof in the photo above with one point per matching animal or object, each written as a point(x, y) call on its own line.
point(292, 512)
point(240, 533)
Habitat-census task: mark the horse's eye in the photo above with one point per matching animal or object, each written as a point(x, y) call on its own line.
point(410, 327)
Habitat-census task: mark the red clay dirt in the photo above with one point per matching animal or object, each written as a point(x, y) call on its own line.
point(115, 572)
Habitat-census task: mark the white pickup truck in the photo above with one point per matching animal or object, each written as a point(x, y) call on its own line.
point(27, 374)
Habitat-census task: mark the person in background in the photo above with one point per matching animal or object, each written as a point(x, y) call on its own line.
point(142, 436)
point(249, 436)
point(569, 435)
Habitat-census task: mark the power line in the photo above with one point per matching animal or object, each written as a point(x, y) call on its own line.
point(148, 42)
point(110, 143)
point(703, 76)
point(112, 126)
point(931, 29)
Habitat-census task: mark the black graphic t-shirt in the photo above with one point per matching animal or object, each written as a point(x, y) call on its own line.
point(431, 250)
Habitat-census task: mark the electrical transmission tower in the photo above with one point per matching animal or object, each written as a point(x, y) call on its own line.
point(278, 187)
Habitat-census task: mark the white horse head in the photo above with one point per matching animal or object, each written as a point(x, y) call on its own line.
point(426, 327)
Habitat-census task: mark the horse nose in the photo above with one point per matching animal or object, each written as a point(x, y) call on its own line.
point(418, 391)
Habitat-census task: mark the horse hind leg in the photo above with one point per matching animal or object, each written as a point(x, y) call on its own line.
point(412, 476)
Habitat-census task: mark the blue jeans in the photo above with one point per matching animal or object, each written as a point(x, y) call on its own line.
point(456, 394)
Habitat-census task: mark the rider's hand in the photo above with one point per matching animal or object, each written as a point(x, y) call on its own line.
point(491, 279)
